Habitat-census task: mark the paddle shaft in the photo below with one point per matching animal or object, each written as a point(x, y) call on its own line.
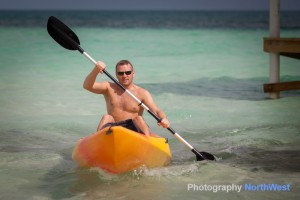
point(139, 101)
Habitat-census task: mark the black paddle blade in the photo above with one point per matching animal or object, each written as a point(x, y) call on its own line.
point(62, 34)
point(203, 155)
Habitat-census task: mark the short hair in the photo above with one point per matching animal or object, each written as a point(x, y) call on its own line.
point(123, 62)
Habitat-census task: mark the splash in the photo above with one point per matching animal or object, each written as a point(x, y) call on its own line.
point(183, 169)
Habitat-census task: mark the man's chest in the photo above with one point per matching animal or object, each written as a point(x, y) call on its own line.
point(123, 102)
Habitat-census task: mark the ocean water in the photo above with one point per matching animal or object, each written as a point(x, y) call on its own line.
point(204, 69)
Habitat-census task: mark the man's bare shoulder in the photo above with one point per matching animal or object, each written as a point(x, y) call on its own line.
point(110, 84)
point(142, 91)
point(113, 86)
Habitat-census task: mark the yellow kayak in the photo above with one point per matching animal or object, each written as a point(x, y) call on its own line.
point(117, 150)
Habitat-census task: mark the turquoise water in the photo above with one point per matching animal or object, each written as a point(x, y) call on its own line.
point(209, 82)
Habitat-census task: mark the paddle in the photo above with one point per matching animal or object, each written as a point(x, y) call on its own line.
point(64, 36)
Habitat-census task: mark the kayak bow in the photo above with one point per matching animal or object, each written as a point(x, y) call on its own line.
point(121, 150)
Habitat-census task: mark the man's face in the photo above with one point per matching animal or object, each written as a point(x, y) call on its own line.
point(125, 74)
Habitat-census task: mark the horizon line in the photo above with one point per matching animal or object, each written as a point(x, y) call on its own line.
point(227, 10)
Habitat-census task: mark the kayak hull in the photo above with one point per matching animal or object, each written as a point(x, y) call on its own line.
point(121, 150)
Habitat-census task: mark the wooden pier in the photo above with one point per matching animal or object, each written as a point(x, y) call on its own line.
point(277, 47)
point(289, 47)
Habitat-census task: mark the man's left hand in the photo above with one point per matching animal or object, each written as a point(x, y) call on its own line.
point(164, 123)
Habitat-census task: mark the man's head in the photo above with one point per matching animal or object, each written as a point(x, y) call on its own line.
point(124, 72)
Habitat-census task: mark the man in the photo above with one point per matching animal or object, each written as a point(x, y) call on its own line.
point(120, 106)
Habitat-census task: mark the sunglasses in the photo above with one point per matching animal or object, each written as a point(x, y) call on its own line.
point(122, 73)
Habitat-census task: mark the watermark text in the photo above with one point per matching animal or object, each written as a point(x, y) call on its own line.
point(272, 187)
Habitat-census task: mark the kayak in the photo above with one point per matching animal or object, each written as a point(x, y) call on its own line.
point(117, 150)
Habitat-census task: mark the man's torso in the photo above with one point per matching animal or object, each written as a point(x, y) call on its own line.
point(121, 105)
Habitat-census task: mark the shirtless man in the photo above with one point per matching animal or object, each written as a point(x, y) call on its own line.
point(120, 106)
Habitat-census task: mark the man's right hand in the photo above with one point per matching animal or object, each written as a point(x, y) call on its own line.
point(100, 66)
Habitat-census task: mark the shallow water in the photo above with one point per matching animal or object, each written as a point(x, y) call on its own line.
point(208, 81)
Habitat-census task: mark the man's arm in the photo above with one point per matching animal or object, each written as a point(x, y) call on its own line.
point(148, 101)
point(90, 83)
